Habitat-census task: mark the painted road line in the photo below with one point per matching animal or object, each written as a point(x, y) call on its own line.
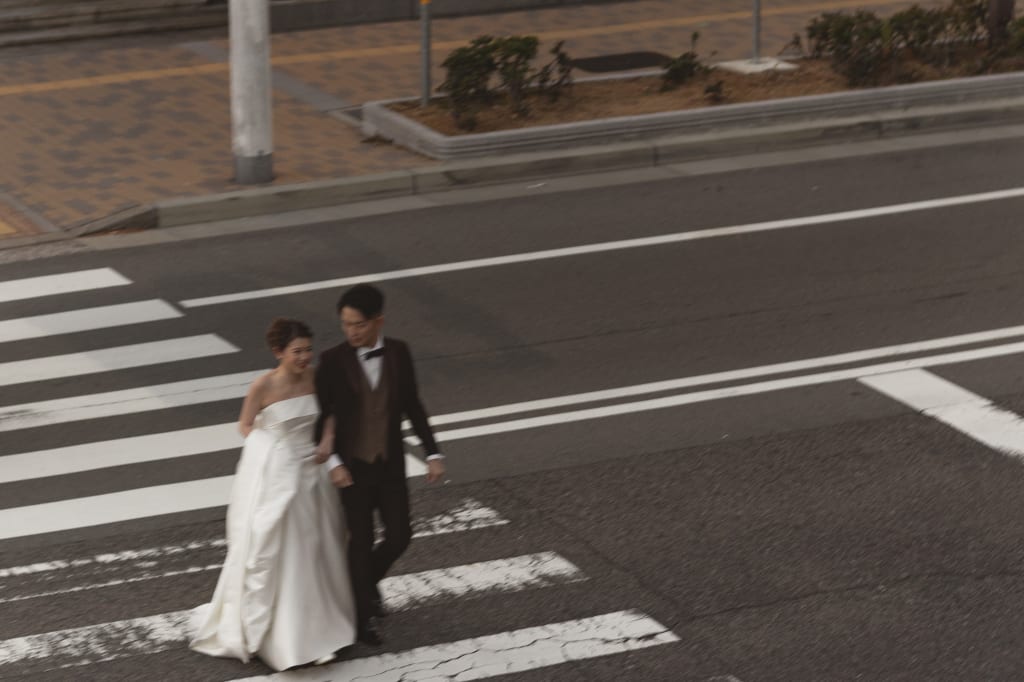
point(86, 319)
point(494, 655)
point(33, 581)
point(125, 505)
point(728, 392)
point(605, 247)
point(727, 376)
point(234, 386)
point(187, 442)
point(954, 406)
point(193, 495)
point(5, 227)
point(118, 452)
point(152, 634)
point(128, 401)
point(110, 359)
point(67, 283)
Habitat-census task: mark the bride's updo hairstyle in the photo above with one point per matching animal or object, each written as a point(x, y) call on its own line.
point(284, 330)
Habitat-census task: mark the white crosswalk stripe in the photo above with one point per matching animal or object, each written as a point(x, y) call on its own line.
point(87, 319)
point(66, 283)
point(48, 582)
point(109, 359)
point(153, 634)
point(129, 505)
point(500, 654)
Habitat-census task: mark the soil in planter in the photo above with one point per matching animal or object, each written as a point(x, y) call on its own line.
point(590, 100)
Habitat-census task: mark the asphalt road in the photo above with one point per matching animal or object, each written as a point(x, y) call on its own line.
point(763, 521)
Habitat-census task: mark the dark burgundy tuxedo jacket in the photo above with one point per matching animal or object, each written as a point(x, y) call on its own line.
point(337, 390)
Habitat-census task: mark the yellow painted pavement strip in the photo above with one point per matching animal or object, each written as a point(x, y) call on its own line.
point(5, 228)
point(412, 48)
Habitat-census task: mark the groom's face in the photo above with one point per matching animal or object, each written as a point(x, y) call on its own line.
point(360, 331)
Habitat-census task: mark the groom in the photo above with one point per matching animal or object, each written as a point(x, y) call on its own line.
point(368, 384)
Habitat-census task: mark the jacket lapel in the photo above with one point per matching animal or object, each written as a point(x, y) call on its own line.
point(391, 375)
point(352, 369)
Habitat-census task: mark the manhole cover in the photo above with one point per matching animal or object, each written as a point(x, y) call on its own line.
point(627, 61)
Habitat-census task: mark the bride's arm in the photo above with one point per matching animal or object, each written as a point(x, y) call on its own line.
point(251, 407)
point(326, 445)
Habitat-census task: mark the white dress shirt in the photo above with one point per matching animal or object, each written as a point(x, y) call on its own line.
point(372, 368)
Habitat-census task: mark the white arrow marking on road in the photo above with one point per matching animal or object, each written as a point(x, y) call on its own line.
point(86, 319)
point(66, 283)
point(954, 406)
point(494, 655)
point(619, 245)
point(152, 634)
point(109, 359)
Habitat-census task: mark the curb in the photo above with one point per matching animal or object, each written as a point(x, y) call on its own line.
point(380, 120)
point(581, 160)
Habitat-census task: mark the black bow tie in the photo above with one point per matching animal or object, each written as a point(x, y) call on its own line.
point(375, 353)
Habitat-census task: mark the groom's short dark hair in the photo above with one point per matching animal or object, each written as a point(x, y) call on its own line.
point(366, 298)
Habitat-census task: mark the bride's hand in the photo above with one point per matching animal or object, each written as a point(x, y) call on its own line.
point(321, 453)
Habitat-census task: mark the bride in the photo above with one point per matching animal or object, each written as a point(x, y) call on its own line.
point(284, 592)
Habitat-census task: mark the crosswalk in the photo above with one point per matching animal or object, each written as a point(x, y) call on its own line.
point(92, 643)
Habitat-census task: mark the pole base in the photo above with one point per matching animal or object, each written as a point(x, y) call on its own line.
point(254, 170)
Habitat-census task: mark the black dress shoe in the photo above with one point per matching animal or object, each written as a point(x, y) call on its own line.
point(368, 635)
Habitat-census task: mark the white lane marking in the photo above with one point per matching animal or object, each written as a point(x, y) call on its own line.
point(128, 401)
point(151, 634)
point(193, 495)
point(618, 245)
point(468, 516)
point(954, 406)
point(86, 319)
point(117, 582)
point(66, 283)
point(126, 505)
point(113, 560)
point(117, 452)
point(234, 386)
point(730, 375)
point(110, 359)
point(493, 655)
point(728, 392)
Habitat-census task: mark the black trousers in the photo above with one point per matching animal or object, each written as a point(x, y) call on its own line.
point(374, 489)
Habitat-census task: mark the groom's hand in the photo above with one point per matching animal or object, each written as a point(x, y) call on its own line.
point(435, 470)
point(340, 477)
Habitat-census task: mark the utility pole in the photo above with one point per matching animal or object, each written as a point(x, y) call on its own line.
point(425, 50)
point(252, 135)
point(757, 31)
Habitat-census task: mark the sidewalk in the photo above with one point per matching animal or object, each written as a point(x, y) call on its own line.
point(87, 132)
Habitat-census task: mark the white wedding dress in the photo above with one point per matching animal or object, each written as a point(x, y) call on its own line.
point(284, 592)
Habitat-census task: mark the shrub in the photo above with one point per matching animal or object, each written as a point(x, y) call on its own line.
point(683, 68)
point(470, 69)
point(512, 58)
point(555, 77)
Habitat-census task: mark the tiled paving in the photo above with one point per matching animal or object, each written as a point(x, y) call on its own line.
point(87, 132)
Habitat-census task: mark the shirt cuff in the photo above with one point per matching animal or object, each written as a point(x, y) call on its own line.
point(436, 455)
point(333, 462)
